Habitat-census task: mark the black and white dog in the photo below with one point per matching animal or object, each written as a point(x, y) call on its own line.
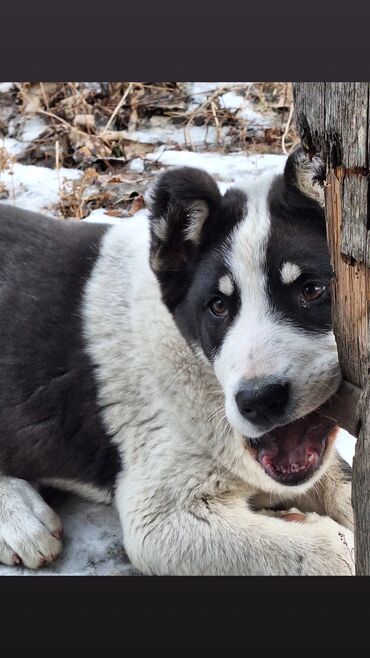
point(174, 366)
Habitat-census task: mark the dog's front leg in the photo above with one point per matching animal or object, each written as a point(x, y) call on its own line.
point(203, 535)
point(332, 494)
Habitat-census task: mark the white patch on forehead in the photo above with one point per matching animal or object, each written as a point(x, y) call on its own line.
point(247, 258)
point(226, 285)
point(290, 273)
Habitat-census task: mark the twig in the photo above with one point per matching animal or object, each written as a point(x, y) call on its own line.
point(284, 135)
point(118, 107)
point(218, 128)
point(55, 116)
point(44, 96)
point(57, 165)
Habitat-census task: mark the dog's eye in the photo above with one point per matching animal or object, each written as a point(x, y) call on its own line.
point(218, 307)
point(312, 291)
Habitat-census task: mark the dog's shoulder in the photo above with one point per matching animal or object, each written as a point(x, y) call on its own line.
point(38, 236)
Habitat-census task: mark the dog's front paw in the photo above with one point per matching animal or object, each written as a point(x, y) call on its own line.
point(30, 531)
point(332, 552)
point(292, 514)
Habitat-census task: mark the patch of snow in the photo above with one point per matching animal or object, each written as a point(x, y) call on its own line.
point(230, 167)
point(36, 188)
point(234, 101)
point(199, 135)
point(137, 165)
point(26, 129)
point(256, 119)
point(198, 92)
point(6, 86)
point(93, 87)
point(32, 128)
point(197, 88)
point(13, 146)
point(345, 443)
point(231, 100)
point(20, 137)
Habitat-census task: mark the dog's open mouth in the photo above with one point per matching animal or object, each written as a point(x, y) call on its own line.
point(292, 453)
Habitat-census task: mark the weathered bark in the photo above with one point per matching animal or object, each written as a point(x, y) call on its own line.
point(333, 121)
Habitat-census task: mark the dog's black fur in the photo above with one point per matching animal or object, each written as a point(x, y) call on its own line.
point(50, 424)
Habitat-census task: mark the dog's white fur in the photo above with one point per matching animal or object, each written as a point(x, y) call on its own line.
point(226, 285)
point(184, 495)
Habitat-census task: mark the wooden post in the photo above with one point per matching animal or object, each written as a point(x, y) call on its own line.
point(333, 121)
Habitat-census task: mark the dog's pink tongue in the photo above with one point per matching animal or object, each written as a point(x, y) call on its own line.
point(298, 445)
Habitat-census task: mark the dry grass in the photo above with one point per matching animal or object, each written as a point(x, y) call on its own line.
point(95, 123)
point(89, 126)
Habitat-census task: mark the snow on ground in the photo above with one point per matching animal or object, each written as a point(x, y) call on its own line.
point(5, 86)
point(21, 136)
point(27, 129)
point(198, 136)
point(93, 538)
point(36, 188)
point(228, 168)
point(233, 101)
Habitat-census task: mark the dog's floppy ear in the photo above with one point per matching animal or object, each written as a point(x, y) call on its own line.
point(180, 201)
point(307, 174)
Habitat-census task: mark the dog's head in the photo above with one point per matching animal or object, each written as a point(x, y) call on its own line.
point(247, 277)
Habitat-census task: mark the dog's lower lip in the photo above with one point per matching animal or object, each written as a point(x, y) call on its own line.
point(290, 454)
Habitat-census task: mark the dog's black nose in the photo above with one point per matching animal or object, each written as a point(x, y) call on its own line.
point(260, 402)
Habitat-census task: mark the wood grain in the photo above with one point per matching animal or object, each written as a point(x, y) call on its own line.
point(333, 121)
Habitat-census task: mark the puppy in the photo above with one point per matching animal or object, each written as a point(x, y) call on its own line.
point(174, 365)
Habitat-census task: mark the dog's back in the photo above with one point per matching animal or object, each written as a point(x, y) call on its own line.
point(47, 386)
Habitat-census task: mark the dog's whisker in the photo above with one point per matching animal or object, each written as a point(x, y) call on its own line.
point(218, 411)
point(184, 368)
